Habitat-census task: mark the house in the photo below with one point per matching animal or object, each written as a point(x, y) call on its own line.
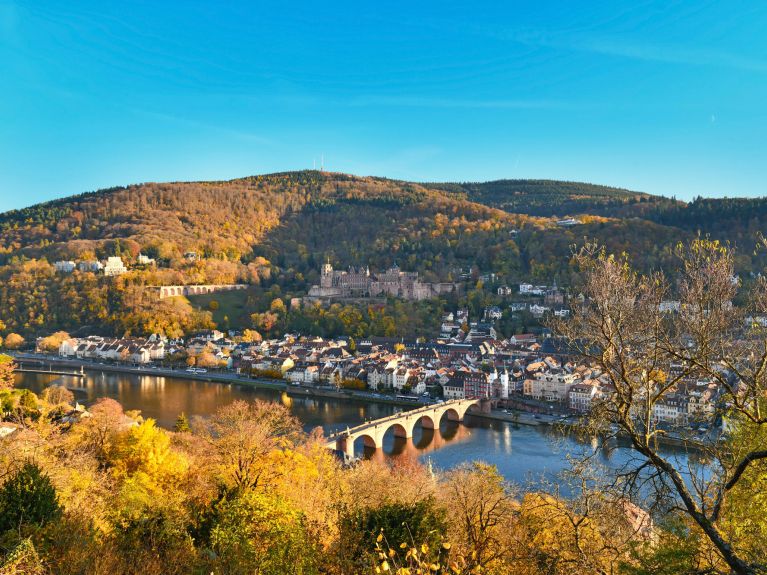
point(68, 347)
point(550, 386)
point(538, 310)
point(480, 331)
point(303, 373)
point(529, 289)
point(581, 395)
point(522, 339)
point(143, 260)
point(493, 313)
point(114, 266)
point(504, 291)
point(453, 389)
point(554, 296)
point(468, 384)
point(669, 306)
point(568, 222)
point(670, 409)
point(65, 267)
point(92, 266)
point(518, 306)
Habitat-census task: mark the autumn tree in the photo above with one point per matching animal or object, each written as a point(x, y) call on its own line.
point(255, 532)
point(7, 367)
point(480, 511)
point(52, 343)
point(58, 395)
point(251, 336)
point(242, 434)
point(623, 331)
point(13, 341)
point(96, 433)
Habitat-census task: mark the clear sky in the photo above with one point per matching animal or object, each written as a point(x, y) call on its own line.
point(663, 97)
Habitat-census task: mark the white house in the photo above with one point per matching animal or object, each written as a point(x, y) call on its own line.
point(66, 267)
point(114, 266)
point(145, 260)
point(90, 266)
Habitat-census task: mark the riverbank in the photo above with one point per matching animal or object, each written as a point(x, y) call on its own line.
point(216, 377)
point(514, 416)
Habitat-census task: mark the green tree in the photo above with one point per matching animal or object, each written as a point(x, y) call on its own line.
point(182, 423)
point(401, 524)
point(258, 533)
point(27, 498)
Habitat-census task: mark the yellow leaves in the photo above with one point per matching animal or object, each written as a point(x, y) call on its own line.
point(144, 451)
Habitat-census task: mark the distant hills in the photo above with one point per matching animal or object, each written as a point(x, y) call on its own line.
point(299, 218)
point(281, 227)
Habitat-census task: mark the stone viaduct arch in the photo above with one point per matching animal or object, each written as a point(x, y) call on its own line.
point(170, 291)
point(402, 424)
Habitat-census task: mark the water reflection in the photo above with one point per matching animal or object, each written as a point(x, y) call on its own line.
point(521, 453)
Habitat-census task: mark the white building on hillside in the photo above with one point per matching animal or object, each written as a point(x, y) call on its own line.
point(66, 267)
point(114, 266)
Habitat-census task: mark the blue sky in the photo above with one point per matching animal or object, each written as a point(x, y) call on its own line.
point(663, 97)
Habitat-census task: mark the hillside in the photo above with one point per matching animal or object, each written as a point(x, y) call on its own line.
point(551, 198)
point(274, 231)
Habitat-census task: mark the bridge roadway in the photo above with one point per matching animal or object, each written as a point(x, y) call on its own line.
point(403, 424)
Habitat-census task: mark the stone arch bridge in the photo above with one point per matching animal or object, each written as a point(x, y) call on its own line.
point(403, 423)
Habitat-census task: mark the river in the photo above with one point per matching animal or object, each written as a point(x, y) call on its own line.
point(522, 454)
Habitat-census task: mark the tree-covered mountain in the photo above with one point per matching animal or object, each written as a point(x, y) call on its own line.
point(551, 198)
point(279, 228)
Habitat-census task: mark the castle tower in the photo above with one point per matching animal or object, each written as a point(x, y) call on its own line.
point(326, 275)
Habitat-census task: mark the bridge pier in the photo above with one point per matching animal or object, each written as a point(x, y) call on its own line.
point(346, 444)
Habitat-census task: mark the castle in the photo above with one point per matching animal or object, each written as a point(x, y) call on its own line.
point(361, 283)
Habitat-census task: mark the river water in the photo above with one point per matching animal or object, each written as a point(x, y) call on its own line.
point(522, 454)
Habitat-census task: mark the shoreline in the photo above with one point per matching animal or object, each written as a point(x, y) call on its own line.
point(515, 416)
point(211, 377)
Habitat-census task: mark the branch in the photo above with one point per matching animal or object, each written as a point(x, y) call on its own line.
point(739, 470)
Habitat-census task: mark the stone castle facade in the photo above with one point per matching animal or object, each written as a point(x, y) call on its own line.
point(361, 283)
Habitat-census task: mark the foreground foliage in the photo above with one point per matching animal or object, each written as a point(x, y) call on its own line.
point(248, 492)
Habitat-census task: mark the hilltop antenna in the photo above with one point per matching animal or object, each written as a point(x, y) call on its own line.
point(322, 163)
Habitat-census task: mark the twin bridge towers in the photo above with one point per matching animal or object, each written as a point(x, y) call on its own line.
point(403, 423)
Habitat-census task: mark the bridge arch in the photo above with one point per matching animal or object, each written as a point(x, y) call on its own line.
point(368, 440)
point(399, 429)
point(427, 421)
point(451, 415)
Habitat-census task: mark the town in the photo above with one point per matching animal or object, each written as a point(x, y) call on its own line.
point(525, 372)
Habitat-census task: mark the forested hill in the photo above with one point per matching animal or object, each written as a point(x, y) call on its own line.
point(556, 198)
point(277, 229)
point(299, 218)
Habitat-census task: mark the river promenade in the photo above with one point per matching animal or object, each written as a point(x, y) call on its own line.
point(44, 364)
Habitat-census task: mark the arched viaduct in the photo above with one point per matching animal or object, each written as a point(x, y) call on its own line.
point(170, 291)
point(403, 423)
